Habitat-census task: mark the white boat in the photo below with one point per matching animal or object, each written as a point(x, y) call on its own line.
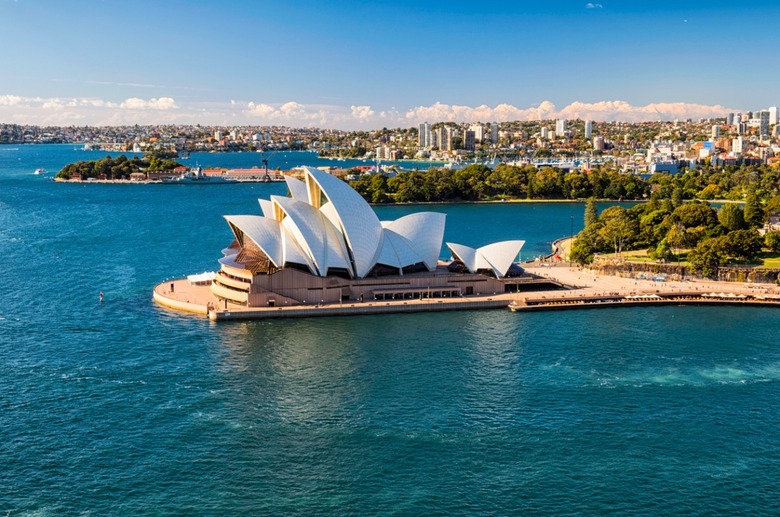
point(196, 177)
point(40, 171)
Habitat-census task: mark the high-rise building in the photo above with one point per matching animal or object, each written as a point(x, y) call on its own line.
point(737, 145)
point(479, 132)
point(560, 127)
point(598, 143)
point(469, 140)
point(424, 136)
point(772, 115)
point(763, 117)
point(217, 135)
point(494, 132)
point(730, 119)
point(444, 136)
point(716, 131)
point(588, 129)
point(545, 133)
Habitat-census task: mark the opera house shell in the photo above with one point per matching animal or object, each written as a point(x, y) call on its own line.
point(324, 243)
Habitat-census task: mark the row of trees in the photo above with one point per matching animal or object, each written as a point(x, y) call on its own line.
point(480, 183)
point(708, 182)
point(119, 168)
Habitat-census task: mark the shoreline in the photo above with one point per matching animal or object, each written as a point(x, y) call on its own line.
point(581, 289)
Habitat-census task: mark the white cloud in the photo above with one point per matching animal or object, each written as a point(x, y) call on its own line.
point(591, 5)
point(10, 100)
point(362, 113)
point(163, 103)
point(621, 110)
point(501, 113)
point(599, 111)
point(165, 110)
point(295, 113)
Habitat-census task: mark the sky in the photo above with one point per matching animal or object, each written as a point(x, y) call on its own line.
point(364, 65)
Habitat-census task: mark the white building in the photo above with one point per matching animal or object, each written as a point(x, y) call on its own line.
point(598, 143)
point(444, 138)
point(588, 129)
point(424, 138)
point(479, 132)
point(324, 243)
point(560, 127)
point(738, 145)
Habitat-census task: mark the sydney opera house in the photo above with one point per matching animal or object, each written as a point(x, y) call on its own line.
point(323, 244)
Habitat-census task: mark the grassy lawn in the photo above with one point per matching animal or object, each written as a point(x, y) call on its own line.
point(766, 259)
point(770, 260)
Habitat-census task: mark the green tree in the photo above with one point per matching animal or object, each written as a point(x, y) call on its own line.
point(617, 227)
point(708, 256)
point(772, 241)
point(745, 244)
point(662, 252)
point(695, 214)
point(677, 196)
point(773, 205)
point(731, 217)
point(754, 211)
point(591, 213)
point(676, 237)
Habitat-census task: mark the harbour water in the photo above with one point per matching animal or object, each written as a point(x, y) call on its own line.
point(122, 407)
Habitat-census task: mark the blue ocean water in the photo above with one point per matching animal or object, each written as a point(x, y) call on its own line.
point(125, 408)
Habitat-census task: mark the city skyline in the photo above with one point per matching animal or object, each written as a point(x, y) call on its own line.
point(351, 65)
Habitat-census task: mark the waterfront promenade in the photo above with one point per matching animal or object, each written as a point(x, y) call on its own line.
point(180, 295)
point(581, 288)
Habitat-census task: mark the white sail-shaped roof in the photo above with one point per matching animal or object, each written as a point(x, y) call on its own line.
point(397, 251)
point(267, 207)
point(297, 189)
point(465, 254)
point(501, 255)
point(266, 234)
point(498, 256)
point(325, 225)
point(293, 254)
point(424, 231)
point(357, 222)
point(319, 239)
